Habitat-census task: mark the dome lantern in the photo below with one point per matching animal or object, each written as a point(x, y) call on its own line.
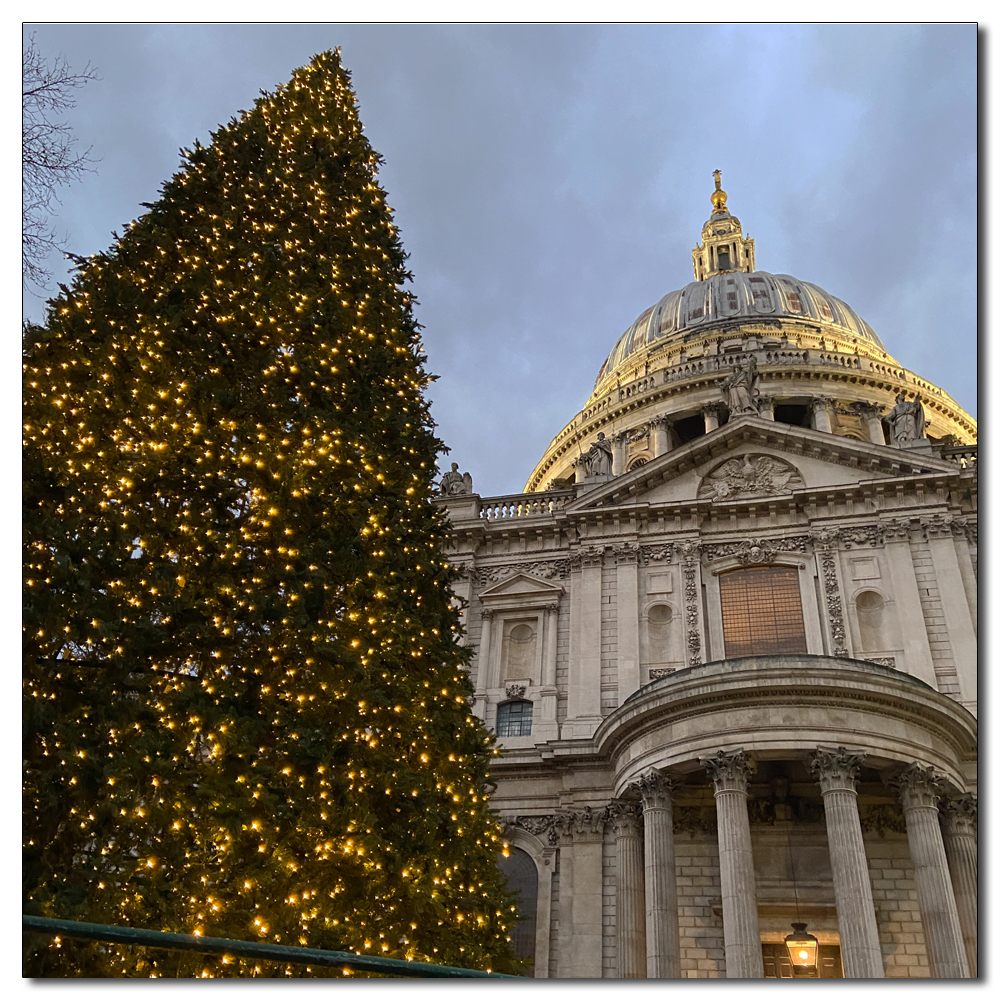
point(723, 247)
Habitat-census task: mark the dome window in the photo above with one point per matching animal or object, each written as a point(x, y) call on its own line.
point(514, 718)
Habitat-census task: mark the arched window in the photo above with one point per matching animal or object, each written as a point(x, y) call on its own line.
point(762, 611)
point(870, 607)
point(514, 718)
point(522, 878)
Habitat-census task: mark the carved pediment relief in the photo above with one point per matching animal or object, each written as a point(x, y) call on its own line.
point(520, 586)
point(748, 476)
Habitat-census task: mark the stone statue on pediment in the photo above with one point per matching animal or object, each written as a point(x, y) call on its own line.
point(906, 420)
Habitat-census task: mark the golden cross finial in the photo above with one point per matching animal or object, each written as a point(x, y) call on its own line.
point(718, 195)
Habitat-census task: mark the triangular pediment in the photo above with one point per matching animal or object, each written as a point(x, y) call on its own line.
point(521, 585)
point(751, 459)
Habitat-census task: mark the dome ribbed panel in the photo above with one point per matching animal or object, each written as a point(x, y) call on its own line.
point(731, 297)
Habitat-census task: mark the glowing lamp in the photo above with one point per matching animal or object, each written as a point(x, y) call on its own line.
point(802, 948)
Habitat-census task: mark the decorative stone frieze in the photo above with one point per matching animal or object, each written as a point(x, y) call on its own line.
point(658, 673)
point(884, 661)
point(540, 826)
point(882, 818)
point(662, 552)
point(515, 690)
point(755, 550)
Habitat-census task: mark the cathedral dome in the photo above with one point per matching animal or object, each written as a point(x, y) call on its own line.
point(729, 297)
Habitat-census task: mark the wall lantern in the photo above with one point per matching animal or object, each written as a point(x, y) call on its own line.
point(802, 947)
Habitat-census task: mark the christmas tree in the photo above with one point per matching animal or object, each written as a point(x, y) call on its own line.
point(246, 713)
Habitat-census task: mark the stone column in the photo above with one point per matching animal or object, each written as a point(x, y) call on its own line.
point(659, 436)
point(765, 407)
point(730, 774)
point(663, 944)
point(959, 818)
point(837, 771)
point(711, 418)
point(918, 793)
point(631, 901)
point(821, 415)
point(619, 444)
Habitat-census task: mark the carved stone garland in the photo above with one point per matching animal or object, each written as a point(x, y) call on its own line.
point(690, 552)
point(825, 547)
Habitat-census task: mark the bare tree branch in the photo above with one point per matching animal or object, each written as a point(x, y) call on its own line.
point(48, 160)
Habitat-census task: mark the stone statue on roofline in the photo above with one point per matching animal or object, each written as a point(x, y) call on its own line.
point(906, 420)
point(597, 459)
point(455, 483)
point(740, 388)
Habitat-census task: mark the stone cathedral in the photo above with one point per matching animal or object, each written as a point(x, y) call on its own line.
point(726, 638)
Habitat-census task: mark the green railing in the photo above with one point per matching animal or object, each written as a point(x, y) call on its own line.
point(251, 949)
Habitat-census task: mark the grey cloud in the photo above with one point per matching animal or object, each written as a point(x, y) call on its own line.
point(550, 181)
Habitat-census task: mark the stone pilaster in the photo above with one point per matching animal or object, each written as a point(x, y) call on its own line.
point(547, 727)
point(711, 414)
point(631, 902)
point(918, 794)
point(663, 946)
point(765, 407)
point(836, 771)
point(483, 663)
point(730, 773)
point(581, 836)
point(959, 824)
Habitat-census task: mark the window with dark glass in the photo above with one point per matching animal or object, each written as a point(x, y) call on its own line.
point(522, 879)
point(762, 611)
point(723, 258)
point(514, 718)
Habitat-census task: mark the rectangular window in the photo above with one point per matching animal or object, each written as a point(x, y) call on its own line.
point(514, 718)
point(762, 611)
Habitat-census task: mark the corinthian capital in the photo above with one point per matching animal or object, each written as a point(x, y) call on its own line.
point(836, 769)
point(624, 817)
point(960, 815)
point(656, 789)
point(730, 772)
point(918, 787)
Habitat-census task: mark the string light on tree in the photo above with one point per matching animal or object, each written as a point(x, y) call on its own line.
point(247, 711)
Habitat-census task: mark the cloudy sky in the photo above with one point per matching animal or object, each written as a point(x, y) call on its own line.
point(550, 181)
